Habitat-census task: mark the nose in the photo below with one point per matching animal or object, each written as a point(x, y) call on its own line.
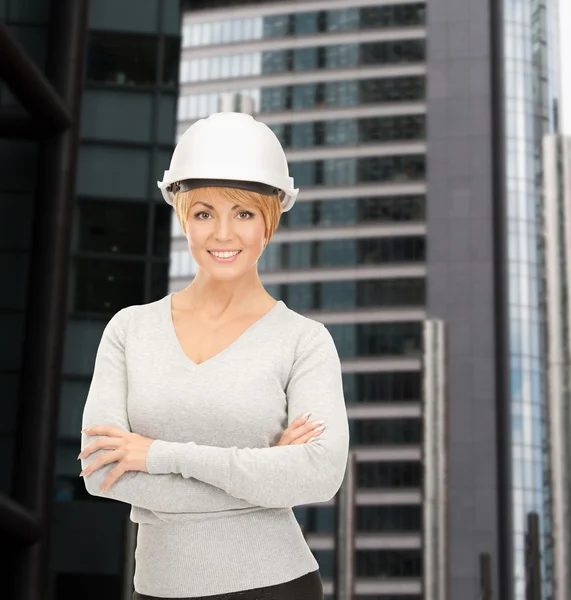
point(223, 229)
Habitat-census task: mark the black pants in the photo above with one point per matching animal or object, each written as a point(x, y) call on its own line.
point(306, 587)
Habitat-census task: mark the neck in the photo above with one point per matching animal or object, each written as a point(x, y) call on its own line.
point(215, 295)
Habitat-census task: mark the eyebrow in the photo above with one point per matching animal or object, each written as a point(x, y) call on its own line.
point(212, 207)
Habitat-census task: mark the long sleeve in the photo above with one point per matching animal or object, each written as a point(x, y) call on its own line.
point(106, 404)
point(279, 476)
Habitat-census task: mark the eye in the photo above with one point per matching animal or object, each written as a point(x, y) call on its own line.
point(203, 212)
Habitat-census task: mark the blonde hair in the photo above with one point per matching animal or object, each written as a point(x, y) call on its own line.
point(269, 206)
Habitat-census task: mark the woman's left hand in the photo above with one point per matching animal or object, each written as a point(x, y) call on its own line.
point(128, 449)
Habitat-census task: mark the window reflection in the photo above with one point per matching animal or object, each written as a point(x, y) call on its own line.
point(277, 26)
point(377, 339)
point(350, 131)
point(343, 252)
point(343, 171)
point(302, 23)
point(347, 19)
point(347, 295)
point(314, 95)
point(310, 58)
point(306, 22)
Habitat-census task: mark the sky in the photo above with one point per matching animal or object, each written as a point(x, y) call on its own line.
point(565, 39)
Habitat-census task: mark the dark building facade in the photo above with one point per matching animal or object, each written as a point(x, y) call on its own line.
point(87, 123)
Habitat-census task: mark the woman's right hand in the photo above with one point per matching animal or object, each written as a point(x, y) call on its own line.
point(300, 432)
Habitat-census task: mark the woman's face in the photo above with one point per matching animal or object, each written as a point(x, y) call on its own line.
point(216, 224)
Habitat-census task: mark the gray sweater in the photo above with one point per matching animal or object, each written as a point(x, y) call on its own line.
point(215, 506)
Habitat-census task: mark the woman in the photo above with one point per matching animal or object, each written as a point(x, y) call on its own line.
point(198, 410)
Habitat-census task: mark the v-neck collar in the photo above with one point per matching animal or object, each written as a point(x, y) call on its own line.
point(167, 301)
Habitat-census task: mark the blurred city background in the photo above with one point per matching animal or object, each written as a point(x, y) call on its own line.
point(431, 236)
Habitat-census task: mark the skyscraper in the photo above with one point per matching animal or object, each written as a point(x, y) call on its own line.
point(87, 115)
point(414, 131)
point(557, 249)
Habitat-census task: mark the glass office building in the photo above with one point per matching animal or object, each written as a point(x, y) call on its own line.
point(343, 88)
point(530, 92)
point(414, 133)
point(557, 251)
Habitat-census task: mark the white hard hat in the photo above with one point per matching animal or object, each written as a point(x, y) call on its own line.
point(229, 149)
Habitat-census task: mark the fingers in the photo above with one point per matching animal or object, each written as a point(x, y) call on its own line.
point(114, 474)
point(99, 462)
point(105, 430)
point(304, 433)
point(103, 443)
point(307, 427)
point(300, 431)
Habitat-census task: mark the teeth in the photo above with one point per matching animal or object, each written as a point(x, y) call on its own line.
point(224, 254)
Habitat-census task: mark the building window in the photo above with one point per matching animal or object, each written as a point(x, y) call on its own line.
point(162, 230)
point(389, 518)
point(276, 61)
point(301, 23)
point(313, 95)
point(112, 226)
point(171, 61)
point(343, 253)
point(305, 59)
point(122, 58)
point(392, 52)
point(106, 286)
point(278, 26)
point(400, 386)
point(347, 295)
point(395, 89)
point(346, 171)
point(386, 564)
point(306, 23)
point(341, 132)
point(373, 17)
point(386, 432)
point(303, 96)
point(377, 339)
point(385, 475)
point(343, 20)
point(343, 56)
